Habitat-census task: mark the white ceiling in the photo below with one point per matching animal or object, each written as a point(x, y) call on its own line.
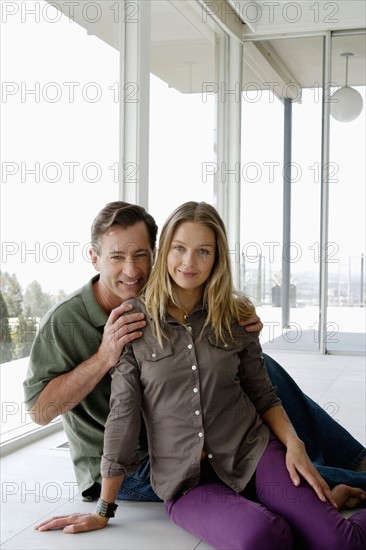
point(183, 50)
point(269, 17)
point(274, 22)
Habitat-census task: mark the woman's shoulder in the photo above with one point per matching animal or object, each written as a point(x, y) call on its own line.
point(137, 304)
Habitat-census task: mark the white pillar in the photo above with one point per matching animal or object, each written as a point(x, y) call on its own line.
point(134, 102)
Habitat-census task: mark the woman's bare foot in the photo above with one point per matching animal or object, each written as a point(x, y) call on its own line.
point(347, 497)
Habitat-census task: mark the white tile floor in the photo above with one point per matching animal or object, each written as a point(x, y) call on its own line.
point(38, 481)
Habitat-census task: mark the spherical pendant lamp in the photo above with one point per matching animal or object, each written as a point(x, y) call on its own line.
point(346, 103)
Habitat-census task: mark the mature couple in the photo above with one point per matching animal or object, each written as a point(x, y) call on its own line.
point(213, 424)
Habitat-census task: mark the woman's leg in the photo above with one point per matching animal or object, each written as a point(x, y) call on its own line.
point(327, 442)
point(316, 525)
point(218, 515)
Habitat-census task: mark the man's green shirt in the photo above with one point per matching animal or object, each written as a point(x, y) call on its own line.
point(70, 333)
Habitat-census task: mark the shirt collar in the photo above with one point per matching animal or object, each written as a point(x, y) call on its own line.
point(96, 314)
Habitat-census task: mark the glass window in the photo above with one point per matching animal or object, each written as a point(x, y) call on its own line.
point(277, 147)
point(60, 142)
point(60, 131)
point(346, 267)
point(185, 52)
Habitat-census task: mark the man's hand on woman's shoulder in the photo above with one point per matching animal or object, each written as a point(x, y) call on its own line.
point(253, 324)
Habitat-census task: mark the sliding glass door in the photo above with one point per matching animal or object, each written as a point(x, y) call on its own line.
point(281, 189)
point(346, 314)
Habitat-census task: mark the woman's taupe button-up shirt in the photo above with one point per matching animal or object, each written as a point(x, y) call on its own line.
point(196, 395)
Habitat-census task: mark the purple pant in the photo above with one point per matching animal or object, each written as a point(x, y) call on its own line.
point(285, 517)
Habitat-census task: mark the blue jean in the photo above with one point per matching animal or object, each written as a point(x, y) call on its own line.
point(334, 451)
point(279, 517)
point(137, 486)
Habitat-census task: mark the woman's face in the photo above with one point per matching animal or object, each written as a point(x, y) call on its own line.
point(191, 255)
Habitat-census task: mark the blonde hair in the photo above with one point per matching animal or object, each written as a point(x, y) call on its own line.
point(223, 304)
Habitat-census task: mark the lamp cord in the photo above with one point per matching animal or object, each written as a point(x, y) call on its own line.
point(346, 70)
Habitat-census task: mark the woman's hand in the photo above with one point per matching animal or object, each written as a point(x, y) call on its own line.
point(298, 463)
point(74, 523)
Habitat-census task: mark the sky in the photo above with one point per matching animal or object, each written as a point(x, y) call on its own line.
point(59, 151)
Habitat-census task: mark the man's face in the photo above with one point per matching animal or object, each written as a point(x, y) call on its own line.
point(124, 261)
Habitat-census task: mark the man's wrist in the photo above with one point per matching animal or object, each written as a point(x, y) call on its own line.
point(106, 509)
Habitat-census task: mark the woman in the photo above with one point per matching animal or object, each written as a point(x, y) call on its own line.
point(224, 455)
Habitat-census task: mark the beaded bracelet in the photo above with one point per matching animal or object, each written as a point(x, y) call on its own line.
point(106, 509)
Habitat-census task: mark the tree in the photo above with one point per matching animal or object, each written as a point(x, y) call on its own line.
point(36, 302)
point(19, 317)
point(5, 337)
point(23, 335)
point(12, 294)
point(61, 294)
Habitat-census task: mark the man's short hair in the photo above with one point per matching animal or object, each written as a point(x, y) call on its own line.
point(125, 215)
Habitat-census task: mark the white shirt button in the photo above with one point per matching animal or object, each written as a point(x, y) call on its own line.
point(209, 455)
point(190, 346)
point(153, 355)
point(200, 434)
point(194, 367)
point(196, 413)
point(195, 390)
point(225, 345)
point(189, 328)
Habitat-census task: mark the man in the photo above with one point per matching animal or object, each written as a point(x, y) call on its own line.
point(83, 336)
